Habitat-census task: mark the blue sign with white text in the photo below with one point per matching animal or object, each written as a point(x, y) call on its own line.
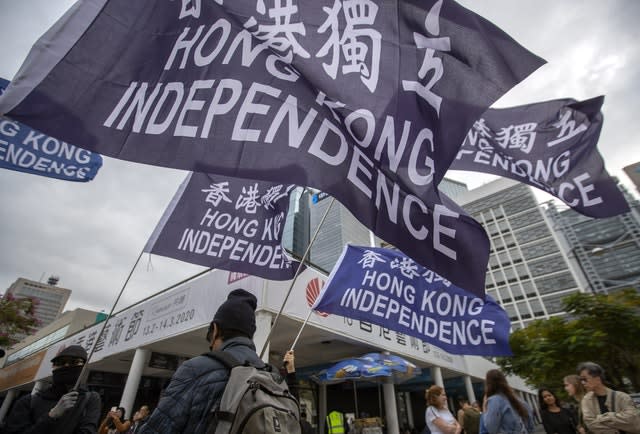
point(385, 287)
point(27, 150)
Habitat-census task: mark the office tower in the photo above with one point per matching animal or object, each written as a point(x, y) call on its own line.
point(295, 237)
point(604, 253)
point(527, 271)
point(633, 172)
point(51, 299)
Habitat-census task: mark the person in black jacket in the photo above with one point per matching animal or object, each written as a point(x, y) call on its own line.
point(58, 409)
point(199, 383)
point(555, 418)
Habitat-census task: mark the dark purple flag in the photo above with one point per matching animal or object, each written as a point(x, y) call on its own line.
point(366, 101)
point(229, 223)
point(549, 145)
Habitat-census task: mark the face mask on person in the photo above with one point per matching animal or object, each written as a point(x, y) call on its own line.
point(66, 376)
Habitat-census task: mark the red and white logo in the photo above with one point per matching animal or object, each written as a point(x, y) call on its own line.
point(313, 291)
point(235, 276)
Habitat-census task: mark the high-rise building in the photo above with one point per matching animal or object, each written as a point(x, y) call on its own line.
point(604, 253)
point(339, 228)
point(633, 172)
point(540, 254)
point(51, 299)
point(527, 272)
point(295, 237)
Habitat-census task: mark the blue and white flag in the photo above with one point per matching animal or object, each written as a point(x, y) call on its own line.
point(229, 223)
point(551, 146)
point(384, 287)
point(26, 150)
point(366, 100)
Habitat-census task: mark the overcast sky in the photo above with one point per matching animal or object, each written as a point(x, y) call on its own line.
point(90, 234)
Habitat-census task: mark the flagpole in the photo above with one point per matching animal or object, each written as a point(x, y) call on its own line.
point(82, 373)
point(295, 341)
point(104, 325)
point(373, 244)
point(295, 276)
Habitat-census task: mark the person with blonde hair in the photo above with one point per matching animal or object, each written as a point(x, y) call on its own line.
point(437, 416)
point(574, 388)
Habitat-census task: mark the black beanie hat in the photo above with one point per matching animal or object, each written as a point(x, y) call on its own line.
point(75, 351)
point(238, 312)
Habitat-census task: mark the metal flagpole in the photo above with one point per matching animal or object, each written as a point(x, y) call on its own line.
point(295, 276)
point(295, 341)
point(355, 398)
point(104, 325)
point(86, 364)
point(373, 244)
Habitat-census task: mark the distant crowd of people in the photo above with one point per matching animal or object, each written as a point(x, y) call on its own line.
point(192, 402)
point(501, 412)
point(599, 409)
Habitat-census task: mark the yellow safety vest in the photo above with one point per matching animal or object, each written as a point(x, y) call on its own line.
point(335, 420)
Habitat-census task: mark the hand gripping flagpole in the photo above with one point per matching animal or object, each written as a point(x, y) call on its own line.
point(295, 276)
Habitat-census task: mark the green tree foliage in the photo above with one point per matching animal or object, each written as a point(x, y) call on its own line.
point(598, 328)
point(16, 317)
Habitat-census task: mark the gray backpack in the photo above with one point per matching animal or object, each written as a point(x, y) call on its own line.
point(255, 400)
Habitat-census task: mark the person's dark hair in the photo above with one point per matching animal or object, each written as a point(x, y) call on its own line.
point(593, 369)
point(496, 383)
point(225, 334)
point(543, 405)
point(433, 393)
point(463, 401)
point(303, 415)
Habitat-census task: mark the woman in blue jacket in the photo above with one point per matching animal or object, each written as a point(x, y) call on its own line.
point(504, 412)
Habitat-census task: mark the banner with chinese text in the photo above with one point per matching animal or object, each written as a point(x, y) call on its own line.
point(551, 146)
point(368, 101)
point(229, 223)
point(385, 287)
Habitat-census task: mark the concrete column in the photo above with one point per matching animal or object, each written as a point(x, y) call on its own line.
point(322, 408)
point(469, 386)
point(263, 327)
point(533, 402)
point(407, 405)
point(11, 395)
point(436, 375)
point(37, 386)
point(390, 410)
point(140, 360)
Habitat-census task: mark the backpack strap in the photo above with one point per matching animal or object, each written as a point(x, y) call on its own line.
point(230, 362)
point(225, 358)
point(613, 401)
point(215, 415)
